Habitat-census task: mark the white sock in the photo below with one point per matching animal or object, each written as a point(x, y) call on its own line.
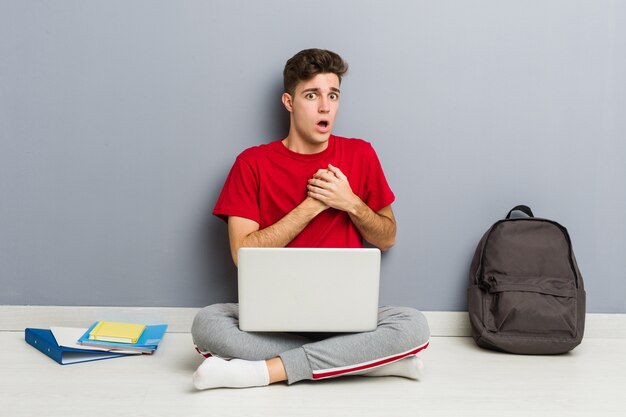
point(410, 367)
point(237, 373)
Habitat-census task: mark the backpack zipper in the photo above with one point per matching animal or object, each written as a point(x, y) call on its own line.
point(486, 284)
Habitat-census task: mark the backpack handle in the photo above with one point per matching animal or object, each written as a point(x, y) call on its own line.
point(524, 209)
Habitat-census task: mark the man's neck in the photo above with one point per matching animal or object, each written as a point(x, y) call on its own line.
point(300, 146)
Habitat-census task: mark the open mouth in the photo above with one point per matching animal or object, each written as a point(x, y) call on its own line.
point(322, 123)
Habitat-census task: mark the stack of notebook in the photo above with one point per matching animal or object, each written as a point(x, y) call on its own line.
point(124, 336)
point(103, 340)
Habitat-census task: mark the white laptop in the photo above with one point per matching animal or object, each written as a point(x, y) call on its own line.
point(308, 289)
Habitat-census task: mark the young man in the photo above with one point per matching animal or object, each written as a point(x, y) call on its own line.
point(310, 189)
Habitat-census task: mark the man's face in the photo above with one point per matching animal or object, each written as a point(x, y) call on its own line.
point(313, 108)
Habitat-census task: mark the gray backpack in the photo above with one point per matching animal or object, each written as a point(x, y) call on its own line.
point(526, 294)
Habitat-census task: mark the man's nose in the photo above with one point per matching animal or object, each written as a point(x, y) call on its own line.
point(324, 105)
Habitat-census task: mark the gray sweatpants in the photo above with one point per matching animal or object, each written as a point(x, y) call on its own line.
point(401, 332)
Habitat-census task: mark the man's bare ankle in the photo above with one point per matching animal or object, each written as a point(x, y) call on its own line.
point(276, 370)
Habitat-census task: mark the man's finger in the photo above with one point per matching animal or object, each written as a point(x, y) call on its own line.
point(316, 182)
point(325, 176)
point(316, 189)
point(317, 196)
point(337, 172)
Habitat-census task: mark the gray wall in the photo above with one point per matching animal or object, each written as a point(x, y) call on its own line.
point(119, 121)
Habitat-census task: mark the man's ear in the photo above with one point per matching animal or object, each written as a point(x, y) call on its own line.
point(287, 101)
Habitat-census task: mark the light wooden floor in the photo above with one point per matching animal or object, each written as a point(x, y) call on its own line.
point(460, 380)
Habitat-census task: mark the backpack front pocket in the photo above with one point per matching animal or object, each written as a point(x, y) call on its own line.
point(530, 306)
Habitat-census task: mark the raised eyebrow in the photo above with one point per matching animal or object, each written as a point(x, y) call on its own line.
point(317, 90)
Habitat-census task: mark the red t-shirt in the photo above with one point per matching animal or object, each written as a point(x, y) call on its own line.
point(268, 181)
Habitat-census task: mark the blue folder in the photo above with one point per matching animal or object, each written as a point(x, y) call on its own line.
point(44, 341)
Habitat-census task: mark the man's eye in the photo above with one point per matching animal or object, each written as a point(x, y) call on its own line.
point(310, 96)
point(334, 96)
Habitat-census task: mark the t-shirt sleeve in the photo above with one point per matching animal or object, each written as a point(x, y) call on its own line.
point(239, 196)
point(378, 193)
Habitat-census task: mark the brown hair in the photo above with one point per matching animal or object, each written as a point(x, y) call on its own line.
point(308, 63)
